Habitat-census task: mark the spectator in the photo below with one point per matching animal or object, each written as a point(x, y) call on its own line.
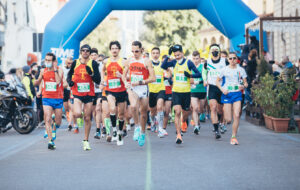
point(251, 73)
point(288, 69)
point(27, 81)
point(276, 68)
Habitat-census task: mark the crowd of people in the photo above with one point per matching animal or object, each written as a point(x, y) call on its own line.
point(141, 92)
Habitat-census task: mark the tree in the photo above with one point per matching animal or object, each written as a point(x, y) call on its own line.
point(165, 28)
point(100, 38)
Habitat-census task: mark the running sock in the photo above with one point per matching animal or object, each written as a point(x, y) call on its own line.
point(113, 119)
point(216, 126)
point(160, 119)
point(106, 122)
point(131, 122)
point(153, 118)
point(233, 136)
point(219, 117)
point(121, 124)
point(98, 130)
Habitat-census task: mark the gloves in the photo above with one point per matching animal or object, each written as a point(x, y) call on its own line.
point(89, 70)
point(171, 50)
point(187, 74)
point(71, 83)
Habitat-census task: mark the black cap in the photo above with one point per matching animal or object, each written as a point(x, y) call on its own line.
point(86, 46)
point(177, 47)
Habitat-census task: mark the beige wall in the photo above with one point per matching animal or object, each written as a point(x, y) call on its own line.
point(261, 7)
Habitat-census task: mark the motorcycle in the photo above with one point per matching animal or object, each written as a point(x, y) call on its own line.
point(16, 107)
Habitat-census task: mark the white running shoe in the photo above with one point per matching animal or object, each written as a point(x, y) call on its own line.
point(128, 127)
point(120, 141)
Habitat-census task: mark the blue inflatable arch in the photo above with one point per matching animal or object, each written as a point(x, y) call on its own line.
point(78, 18)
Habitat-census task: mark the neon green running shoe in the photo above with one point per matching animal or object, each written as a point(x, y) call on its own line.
point(86, 145)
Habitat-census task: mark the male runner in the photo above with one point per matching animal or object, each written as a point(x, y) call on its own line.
point(157, 93)
point(52, 93)
point(67, 93)
point(141, 73)
point(81, 77)
point(181, 96)
point(115, 90)
point(232, 95)
point(210, 73)
point(198, 93)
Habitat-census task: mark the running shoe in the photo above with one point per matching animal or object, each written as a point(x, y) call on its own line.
point(136, 134)
point(53, 135)
point(165, 132)
point(234, 141)
point(103, 134)
point(86, 145)
point(114, 135)
point(45, 134)
point(141, 139)
point(97, 135)
point(217, 134)
point(124, 134)
point(221, 128)
point(161, 133)
point(179, 139)
point(108, 138)
point(202, 117)
point(76, 131)
point(70, 128)
point(120, 141)
point(128, 127)
point(225, 128)
point(184, 127)
point(51, 145)
point(196, 130)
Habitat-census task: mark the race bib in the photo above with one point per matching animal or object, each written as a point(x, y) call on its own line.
point(214, 73)
point(114, 83)
point(51, 86)
point(83, 87)
point(197, 79)
point(232, 87)
point(136, 78)
point(158, 79)
point(181, 78)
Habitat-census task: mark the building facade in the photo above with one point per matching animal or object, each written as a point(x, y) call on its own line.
point(287, 43)
point(210, 34)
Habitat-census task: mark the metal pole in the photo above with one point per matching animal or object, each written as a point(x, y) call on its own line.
point(261, 38)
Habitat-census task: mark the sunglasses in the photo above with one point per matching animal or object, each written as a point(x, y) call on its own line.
point(232, 58)
point(85, 50)
point(136, 51)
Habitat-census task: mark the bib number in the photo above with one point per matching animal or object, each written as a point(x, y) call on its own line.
point(181, 78)
point(136, 78)
point(232, 87)
point(51, 86)
point(114, 83)
point(158, 79)
point(83, 87)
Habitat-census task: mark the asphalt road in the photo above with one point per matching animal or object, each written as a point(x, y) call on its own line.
point(263, 160)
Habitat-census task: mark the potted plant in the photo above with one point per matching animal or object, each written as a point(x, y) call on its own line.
point(275, 98)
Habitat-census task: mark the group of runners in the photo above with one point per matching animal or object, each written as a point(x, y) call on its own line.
point(120, 93)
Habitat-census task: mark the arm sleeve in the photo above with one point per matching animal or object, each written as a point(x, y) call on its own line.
point(192, 67)
point(96, 77)
point(71, 72)
point(165, 64)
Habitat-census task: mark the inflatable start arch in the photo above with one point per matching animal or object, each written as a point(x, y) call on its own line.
point(79, 17)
